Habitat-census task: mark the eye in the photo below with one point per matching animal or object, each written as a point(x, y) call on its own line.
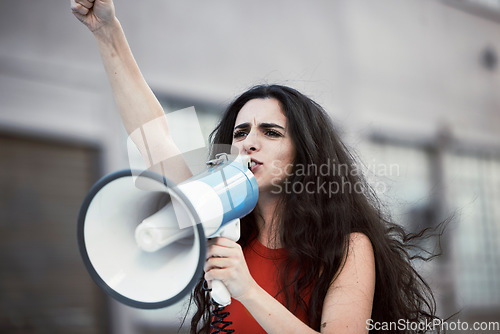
point(239, 134)
point(273, 133)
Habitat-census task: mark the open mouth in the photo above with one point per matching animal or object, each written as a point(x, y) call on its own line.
point(254, 165)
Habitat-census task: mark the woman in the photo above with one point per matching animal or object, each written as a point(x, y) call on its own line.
point(346, 268)
point(316, 254)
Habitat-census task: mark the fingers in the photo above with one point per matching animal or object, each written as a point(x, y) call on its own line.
point(221, 241)
point(222, 247)
point(219, 251)
point(222, 254)
point(78, 8)
point(86, 3)
point(218, 263)
point(81, 7)
point(216, 274)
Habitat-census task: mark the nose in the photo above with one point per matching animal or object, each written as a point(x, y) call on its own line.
point(251, 143)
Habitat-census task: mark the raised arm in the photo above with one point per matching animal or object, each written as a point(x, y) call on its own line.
point(142, 114)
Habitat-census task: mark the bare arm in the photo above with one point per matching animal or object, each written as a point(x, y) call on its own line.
point(348, 302)
point(142, 114)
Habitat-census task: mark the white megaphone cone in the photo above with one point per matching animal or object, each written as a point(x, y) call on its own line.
point(143, 238)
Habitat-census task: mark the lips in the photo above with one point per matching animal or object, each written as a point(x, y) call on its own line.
point(254, 164)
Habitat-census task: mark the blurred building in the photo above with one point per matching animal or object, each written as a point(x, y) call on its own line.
point(413, 85)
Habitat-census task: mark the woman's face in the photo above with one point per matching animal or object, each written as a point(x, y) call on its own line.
point(261, 131)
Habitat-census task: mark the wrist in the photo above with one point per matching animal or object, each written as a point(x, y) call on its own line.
point(250, 295)
point(106, 31)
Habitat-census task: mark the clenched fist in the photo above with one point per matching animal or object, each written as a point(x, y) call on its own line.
point(93, 13)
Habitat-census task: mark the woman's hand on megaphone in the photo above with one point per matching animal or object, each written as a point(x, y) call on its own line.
point(225, 262)
point(94, 13)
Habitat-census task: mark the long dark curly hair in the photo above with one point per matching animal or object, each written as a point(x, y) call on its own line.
point(327, 218)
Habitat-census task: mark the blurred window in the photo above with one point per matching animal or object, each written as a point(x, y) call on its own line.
point(474, 190)
point(426, 191)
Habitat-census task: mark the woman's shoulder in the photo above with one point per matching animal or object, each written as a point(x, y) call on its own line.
point(360, 249)
point(360, 257)
point(359, 240)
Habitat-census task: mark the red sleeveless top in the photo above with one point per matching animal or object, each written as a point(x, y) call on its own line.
point(264, 265)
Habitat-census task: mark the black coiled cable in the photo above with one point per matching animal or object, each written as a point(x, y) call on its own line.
point(218, 324)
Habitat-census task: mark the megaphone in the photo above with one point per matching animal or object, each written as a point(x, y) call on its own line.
point(143, 238)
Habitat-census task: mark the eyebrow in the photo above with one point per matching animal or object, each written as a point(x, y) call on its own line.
point(261, 125)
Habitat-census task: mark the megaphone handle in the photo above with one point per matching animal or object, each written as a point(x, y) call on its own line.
point(231, 230)
point(219, 292)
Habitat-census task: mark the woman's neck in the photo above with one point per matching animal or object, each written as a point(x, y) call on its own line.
point(268, 221)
